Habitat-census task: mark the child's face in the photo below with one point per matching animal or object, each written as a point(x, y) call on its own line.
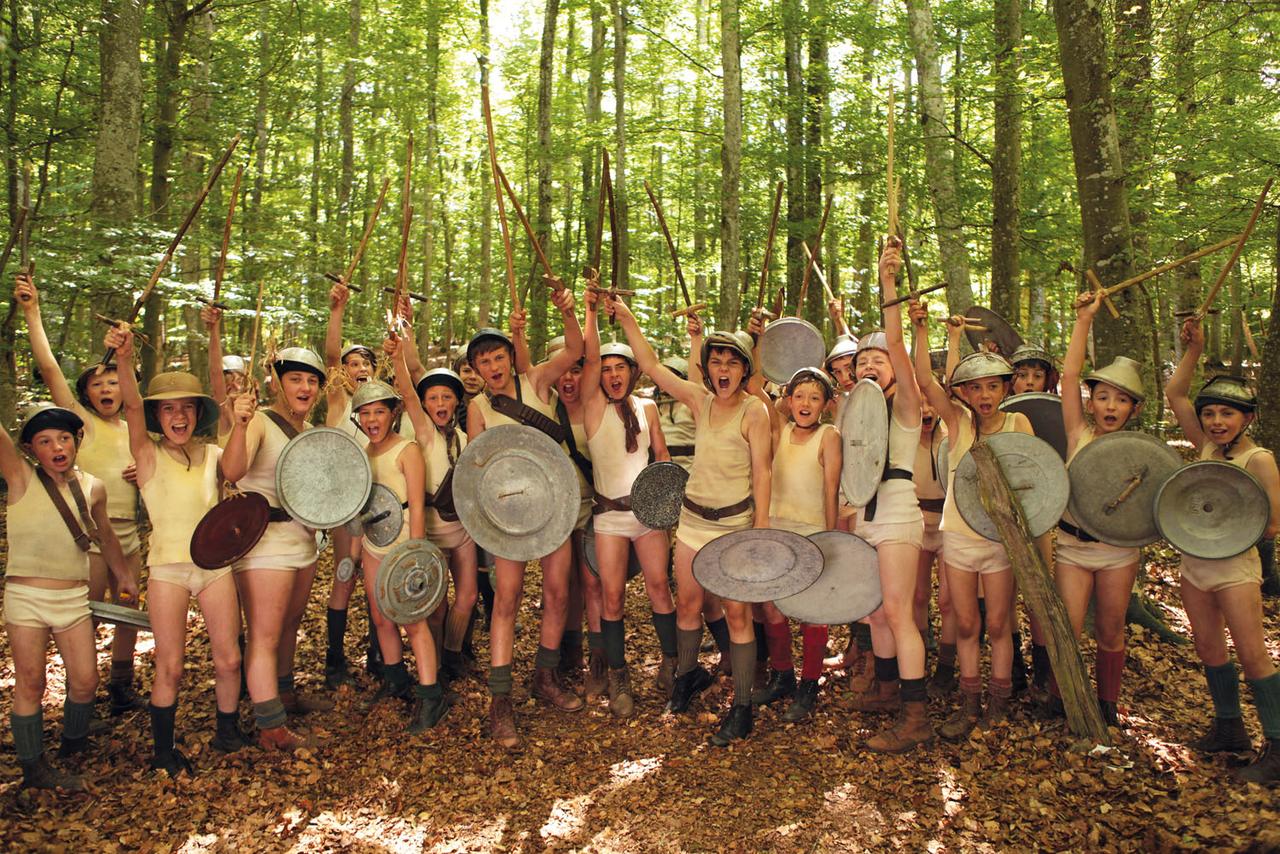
point(874, 364)
point(807, 402)
point(375, 420)
point(984, 395)
point(842, 371)
point(1223, 424)
point(103, 391)
point(358, 366)
point(1029, 376)
point(1111, 407)
point(178, 419)
point(440, 403)
point(54, 449)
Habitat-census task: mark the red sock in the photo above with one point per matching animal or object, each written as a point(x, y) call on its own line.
point(1108, 671)
point(815, 649)
point(778, 636)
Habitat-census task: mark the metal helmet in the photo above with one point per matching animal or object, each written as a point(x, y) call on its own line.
point(821, 377)
point(1030, 353)
point(875, 340)
point(372, 392)
point(1123, 374)
point(738, 342)
point(555, 345)
point(488, 334)
point(299, 359)
point(359, 348)
point(178, 385)
point(678, 365)
point(1228, 390)
point(44, 416)
point(617, 348)
point(234, 365)
point(978, 366)
point(846, 345)
point(441, 376)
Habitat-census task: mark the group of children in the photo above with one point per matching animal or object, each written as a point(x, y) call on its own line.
point(754, 461)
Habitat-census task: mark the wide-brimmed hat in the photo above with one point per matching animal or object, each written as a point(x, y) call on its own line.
point(979, 366)
point(441, 376)
point(299, 359)
point(1123, 374)
point(46, 416)
point(1229, 390)
point(372, 392)
point(178, 385)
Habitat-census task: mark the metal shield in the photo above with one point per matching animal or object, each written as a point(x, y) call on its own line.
point(382, 518)
point(789, 344)
point(323, 477)
point(998, 331)
point(864, 432)
point(1211, 510)
point(107, 612)
point(758, 565)
point(1114, 481)
point(230, 530)
point(589, 551)
point(848, 588)
point(516, 492)
point(1035, 474)
point(345, 570)
point(411, 581)
point(657, 495)
point(942, 459)
point(1044, 411)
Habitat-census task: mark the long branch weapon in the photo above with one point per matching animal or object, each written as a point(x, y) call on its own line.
point(1235, 255)
point(502, 207)
point(226, 235)
point(528, 228)
point(25, 263)
point(173, 245)
point(406, 225)
point(768, 248)
point(689, 306)
point(597, 237)
point(817, 244)
point(826, 288)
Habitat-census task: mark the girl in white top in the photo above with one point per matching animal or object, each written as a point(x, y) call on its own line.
point(180, 479)
point(621, 431)
point(1227, 593)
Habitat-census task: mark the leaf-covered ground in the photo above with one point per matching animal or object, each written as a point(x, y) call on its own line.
point(586, 781)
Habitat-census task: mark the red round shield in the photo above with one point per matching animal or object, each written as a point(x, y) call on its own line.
point(230, 530)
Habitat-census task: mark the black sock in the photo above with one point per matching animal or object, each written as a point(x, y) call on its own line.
point(336, 627)
point(665, 627)
point(614, 643)
point(720, 633)
point(743, 656)
point(861, 635)
point(886, 669)
point(1040, 668)
point(687, 642)
point(162, 726)
point(913, 690)
point(762, 641)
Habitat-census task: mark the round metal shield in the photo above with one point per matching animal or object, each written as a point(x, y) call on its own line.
point(345, 570)
point(230, 530)
point(943, 461)
point(108, 612)
point(323, 477)
point(516, 492)
point(589, 551)
point(864, 430)
point(1211, 510)
point(848, 588)
point(382, 517)
point(998, 331)
point(1035, 474)
point(1044, 411)
point(1114, 481)
point(411, 582)
point(657, 495)
point(758, 565)
point(789, 344)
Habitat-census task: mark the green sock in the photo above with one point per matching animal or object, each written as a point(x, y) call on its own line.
point(614, 643)
point(428, 692)
point(76, 718)
point(270, 714)
point(595, 641)
point(547, 657)
point(1266, 696)
point(1224, 687)
point(743, 658)
point(500, 679)
point(28, 735)
point(284, 682)
point(687, 643)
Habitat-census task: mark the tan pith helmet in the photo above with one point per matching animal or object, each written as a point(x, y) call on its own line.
point(1122, 373)
point(979, 366)
point(177, 385)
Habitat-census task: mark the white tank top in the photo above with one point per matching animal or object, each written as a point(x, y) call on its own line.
point(796, 500)
point(613, 467)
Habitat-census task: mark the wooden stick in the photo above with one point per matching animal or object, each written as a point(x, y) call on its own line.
point(173, 244)
point(226, 237)
point(817, 247)
point(406, 224)
point(1164, 268)
point(1248, 336)
point(606, 181)
point(24, 252)
point(826, 289)
point(671, 247)
point(891, 185)
point(768, 246)
point(368, 230)
point(257, 327)
point(14, 236)
point(502, 207)
point(690, 309)
point(528, 228)
point(913, 295)
point(597, 238)
point(1235, 255)
point(1095, 285)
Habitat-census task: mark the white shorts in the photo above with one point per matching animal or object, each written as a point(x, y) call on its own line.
point(44, 607)
point(974, 554)
point(1093, 556)
point(187, 575)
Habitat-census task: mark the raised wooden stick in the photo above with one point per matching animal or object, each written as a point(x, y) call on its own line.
point(891, 185)
point(528, 228)
point(597, 238)
point(502, 207)
point(817, 246)
point(368, 230)
point(1235, 255)
point(689, 307)
point(826, 288)
point(768, 246)
point(406, 224)
point(910, 295)
point(1095, 285)
point(1164, 268)
point(1248, 336)
point(226, 236)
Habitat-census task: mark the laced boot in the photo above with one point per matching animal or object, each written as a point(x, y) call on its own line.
point(781, 684)
point(597, 682)
point(229, 737)
point(666, 675)
point(502, 721)
point(39, 774)
point(70, 747)
point(1265, 768)
point(1110, 714)
point(571, 662)
point(802, 704)
point(879, 697)
point(1225, 735)
point(547, 688)
point(863, 672)
point(964, 719)
point(621, 704)
point(280, 738)
point(686, 687)
point(395, 685)
point(173, 763)
point(997, 710)
point(336, 674)
point(912, 728)
point(427, 712)
point(943, 682)
point(123, 698)
point(297, 703)
point(736, 725)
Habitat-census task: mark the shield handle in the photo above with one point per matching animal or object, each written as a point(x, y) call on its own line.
point(1134, 483)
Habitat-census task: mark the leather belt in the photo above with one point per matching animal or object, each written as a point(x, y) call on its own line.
point(1080, 535)
point(604, 504)
point(932, 505)
point(715, 514)
point(279, 514)
point(680, 450)
point(869, 513)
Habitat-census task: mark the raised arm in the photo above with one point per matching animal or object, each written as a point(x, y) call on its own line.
point(755, 385)
point(934, 393)
point(1086, 305)
point(26, 294)
point(694, 327)
point(409, 348)
point(414, 469)
point(906, 400)
point(15, 470)
point(120, 339)
point(241, 446)
point(548, 372)
point(394, 348)
point(664, 378)
point(589, 384)
point(520, 341)
point(339, 294)
point(212, 318)
point(1178, 390)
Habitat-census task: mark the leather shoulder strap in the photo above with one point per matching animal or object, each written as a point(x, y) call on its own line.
point(579, 460)
point(83, 536)
point(525, 414)
point(283, 423)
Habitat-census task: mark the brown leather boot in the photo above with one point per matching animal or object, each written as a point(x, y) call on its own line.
point(547, 688)
point(863, 672)
point(296, 703)
point(879, 697)
point(597, 682)
point(280, 738)
point(502, 721)
point(964, 719)
point(666, 675)
point(912, 728)
point(621, 703)
point(997, 710)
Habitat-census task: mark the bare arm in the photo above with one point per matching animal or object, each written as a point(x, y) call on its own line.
point(475, 420)
point(212, 318)
point(338, 296)
point(26, 294)
point(395, 350)
point(519, 341)
point(15, 470)
point(657, 439)
point(544, 375)
point(755, 429)
point(1178, 390)
point(589, 384)
point(1073, 365)
point(682, 390)
point(120, 339)
point(241, 447)
point(906, 400)
point(954, 331)
point(409, 347)
point(694, 327)
point(1263, 467)
point(934, 393)
point(126, 587)
point(831, 455)
point(415, 482)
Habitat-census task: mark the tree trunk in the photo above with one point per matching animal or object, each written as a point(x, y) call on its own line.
point(620, 140)
point(542, 224)
point(1006, 162)
point(816, 87)
point(199, 130)
point(486, 187)
point(591, 154)
point(346, 124)
point(424, 318)
point(1134, 112)
point(1267, 425)
point(730, 166)
point(115, 157)
point(794, 114)
point(939, 162)
point(317, 153)
point(700, 165)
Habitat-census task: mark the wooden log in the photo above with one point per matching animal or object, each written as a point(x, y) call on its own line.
point(1001, 503)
